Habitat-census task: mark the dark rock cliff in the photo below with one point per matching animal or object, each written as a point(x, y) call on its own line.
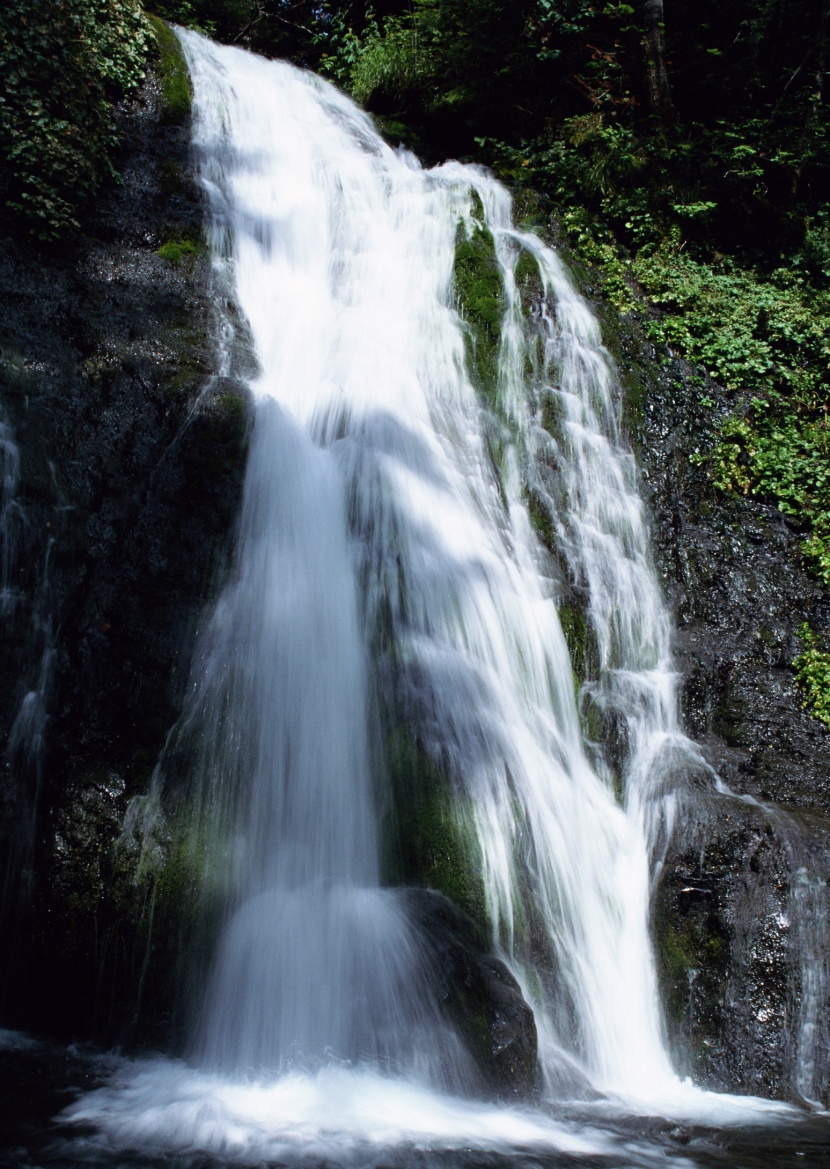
point(130, 474)
point(741, 907)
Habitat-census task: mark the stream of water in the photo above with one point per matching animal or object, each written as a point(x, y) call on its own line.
point(390, 583)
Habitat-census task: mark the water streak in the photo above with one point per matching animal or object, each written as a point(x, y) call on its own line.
point(374, 517)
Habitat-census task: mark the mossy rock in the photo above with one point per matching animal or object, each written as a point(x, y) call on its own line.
point(172, 179)
point(175, 253)
point(480, 293)
point(478, 994)
point(542, 523)
point(528, 211)
point(693, 961)
point(428, 842)
point(578, 635)
point(176, 88)
point(14, 372)
point(529, 282)
point(182, 244)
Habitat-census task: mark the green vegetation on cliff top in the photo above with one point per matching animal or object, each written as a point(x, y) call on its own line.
point(687, 158)
point(64, 66)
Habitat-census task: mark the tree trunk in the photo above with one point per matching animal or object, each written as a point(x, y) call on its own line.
point(659, 91)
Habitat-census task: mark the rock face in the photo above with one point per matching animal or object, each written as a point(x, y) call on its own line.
point(741, 910)
point(131, 462)
point(479, 994)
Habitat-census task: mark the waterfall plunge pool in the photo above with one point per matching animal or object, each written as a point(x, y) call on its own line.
point(64, 1108)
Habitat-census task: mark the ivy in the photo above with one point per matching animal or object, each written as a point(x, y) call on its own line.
point(65, 63)
point(812, 669)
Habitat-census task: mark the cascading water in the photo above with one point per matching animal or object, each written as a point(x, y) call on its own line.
point(24, 739)
point(389, 587)
point(369, 468)
point(316, 958)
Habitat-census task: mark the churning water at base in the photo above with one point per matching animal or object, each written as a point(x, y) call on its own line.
point(390, 588)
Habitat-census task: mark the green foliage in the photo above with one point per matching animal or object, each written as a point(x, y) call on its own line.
point(763, 336)
point(225, 19)
point(391, 61)
point(767, 339)
point(175, 80)
point(174, 253)
point(64, 65)
point(301, 30)
point(812, 669)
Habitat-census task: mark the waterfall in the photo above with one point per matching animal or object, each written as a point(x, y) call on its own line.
point(423, 499)
point(388, 574)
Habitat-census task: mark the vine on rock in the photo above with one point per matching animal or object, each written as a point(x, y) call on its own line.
point(65, 63)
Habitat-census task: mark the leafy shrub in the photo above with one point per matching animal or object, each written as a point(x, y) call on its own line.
point(812, 669)
point(766, 338)
point(64, 64)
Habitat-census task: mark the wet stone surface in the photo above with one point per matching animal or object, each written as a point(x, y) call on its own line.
point(130, 476)
point(740, 913)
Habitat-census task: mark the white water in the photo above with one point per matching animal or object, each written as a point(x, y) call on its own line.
point(388, 573)
point(369, 471)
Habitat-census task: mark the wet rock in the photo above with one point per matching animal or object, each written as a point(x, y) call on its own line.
point(131, 465)
point(479, 994)
point(741, 928)
point(743, 888)
point(740, 589)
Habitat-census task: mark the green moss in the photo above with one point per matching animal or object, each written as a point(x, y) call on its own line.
point(431, 844)
point(233, 417)
point(527, 209)
point(188, 370)
point(526, 269)
point(175, 251)
point(581, 641)
point(189, 238)
point(175, 80)
point(812, 670)
point(14, 371)
point(172, 180)
point(540, 518)
point(551, 414)
point(480, 293)
point(218, 434)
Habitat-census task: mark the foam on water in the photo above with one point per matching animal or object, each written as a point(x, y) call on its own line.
point(335, 1112)
point(359, 1118)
